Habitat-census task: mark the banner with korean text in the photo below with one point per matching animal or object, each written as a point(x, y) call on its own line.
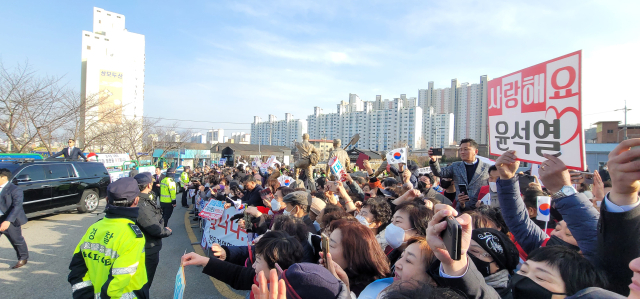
point(223, 231)
point(537, 111)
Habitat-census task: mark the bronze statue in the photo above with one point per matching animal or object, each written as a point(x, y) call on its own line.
point(342, 155)
point(309, 157)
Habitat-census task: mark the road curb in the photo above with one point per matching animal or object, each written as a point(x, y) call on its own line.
point(222, 287)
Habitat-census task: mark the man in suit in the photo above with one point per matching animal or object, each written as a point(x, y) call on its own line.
point(471, 172)
point(157, 178)
point(12, 217)
point(71, 152)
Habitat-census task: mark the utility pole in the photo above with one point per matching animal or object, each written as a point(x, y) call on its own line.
point(625, 119)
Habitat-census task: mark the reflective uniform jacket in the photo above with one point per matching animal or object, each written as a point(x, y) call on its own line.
point(184, 179)
point(109, 261)
point(168, 191)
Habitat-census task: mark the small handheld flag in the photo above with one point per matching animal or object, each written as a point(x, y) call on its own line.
point(544, 208)
point(396, 156)
point(285, 181)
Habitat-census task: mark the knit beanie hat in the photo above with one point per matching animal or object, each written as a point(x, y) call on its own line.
point(499, 246)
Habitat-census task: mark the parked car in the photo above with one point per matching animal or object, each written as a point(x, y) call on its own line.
point(59, 184)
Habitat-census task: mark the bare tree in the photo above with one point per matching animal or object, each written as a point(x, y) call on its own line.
point(169, 139)
point(132, 136)
point(40, 110)
point(31, 108)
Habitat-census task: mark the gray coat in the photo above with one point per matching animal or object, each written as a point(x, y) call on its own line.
point(458, 173)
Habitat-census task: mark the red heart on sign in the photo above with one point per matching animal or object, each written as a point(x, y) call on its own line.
point(559, 116)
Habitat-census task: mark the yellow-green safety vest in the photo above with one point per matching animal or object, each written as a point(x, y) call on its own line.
point(112, 250)
point(167, 190)
point(184, 178)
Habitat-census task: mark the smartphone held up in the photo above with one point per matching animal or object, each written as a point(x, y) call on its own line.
point(451, 237)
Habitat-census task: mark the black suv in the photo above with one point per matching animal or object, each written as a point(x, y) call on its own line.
point(54, 184)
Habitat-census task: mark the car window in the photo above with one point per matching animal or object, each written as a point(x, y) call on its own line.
point(35, 172)
point(58, 171)
point(72, 172)
point(93, 169)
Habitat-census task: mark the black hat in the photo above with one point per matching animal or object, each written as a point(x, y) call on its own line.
point(144, 178)
point(123, 191)
point(171, 171)
point(133, 173)
point(499, 246)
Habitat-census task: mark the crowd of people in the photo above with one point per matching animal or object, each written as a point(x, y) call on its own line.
point(385, 229)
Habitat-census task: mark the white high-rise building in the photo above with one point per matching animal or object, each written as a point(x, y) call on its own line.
point(240, 138)
point(438, 129)
point(467, 102)
point(471, 120)
point(198, 138)
point(381, 124)
point(113, 65)
point(277, 132)
point(215, 136)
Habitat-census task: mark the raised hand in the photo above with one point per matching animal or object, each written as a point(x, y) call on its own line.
point(193, 258)
point(624, 168)
point(275, 290)
point(436, 226)
point(507, 165)
point(554, 174)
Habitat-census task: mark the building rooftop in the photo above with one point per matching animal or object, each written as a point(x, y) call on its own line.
point(606, 121)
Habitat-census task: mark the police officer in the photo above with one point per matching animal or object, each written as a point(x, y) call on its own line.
point(151, 223)
point(184, 182)
point(109, 261)
point(168, 195)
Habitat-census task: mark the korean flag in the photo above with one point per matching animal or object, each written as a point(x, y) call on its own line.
point(396, 156)
point(285, 180)
point(544, 208)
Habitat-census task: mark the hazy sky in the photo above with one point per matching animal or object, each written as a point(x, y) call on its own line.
point(230, 60)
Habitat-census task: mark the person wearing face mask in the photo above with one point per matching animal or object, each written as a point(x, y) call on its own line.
point(551, 272)
point(449, 189)
point(495, 257)
point(425, 187)
point(577, 231)
point(488, 194)
point(410, 219)
point(297, 205)
point(376, 214)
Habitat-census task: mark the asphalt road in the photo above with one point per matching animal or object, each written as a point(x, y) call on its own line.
point(52, 239)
